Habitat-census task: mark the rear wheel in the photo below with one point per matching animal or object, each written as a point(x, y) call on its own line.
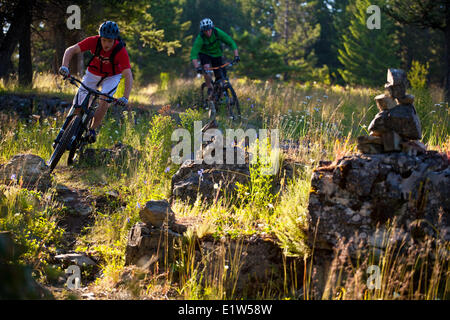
point(64, 142)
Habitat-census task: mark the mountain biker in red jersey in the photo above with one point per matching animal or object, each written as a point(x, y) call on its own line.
point(109, 63)
point(207, 48)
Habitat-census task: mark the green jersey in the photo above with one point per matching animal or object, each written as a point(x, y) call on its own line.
point(211, 46)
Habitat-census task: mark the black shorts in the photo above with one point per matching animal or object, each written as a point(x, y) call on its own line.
point(213, 62)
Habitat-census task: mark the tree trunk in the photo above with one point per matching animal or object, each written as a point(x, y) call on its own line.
point(447, 52)
point(76, 63)
point(11, 39)
point(286, 37)
point(25, 63)
point(60, 44)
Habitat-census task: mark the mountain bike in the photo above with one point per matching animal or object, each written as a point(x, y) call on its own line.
point(74, 134)
point(223, 94)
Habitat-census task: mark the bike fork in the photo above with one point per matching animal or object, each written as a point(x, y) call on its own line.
point(63, 128)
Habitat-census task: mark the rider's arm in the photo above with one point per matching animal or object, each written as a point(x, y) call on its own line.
point(227, 39)
point(68, 54)
point(128, 76)
point(196, 47)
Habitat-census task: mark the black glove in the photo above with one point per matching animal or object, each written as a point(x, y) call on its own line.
point(236, 60)
point(199, 70)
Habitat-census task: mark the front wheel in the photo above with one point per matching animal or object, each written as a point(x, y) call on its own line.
point(79, 143)
point(65, 141)
point(232, 102)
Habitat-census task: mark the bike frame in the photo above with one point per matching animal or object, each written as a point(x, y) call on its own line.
point(221, 88)
point(84, 108)
point(223, 79)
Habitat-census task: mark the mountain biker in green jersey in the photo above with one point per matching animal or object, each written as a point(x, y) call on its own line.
point(207, 48)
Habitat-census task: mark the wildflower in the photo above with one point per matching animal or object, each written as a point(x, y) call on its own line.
point(290, 110)
point(128, 220)
point(248, 99)
point(325, 96)
point(226, 267)
point(216, 186)
point(318, 100)
point(138, 205)
point(167, 169)
point(270, 206)
point(117, 132)
point(200, 173)
point(252, 106)
point(317, 109)
point(13, 177)
point(308, 97)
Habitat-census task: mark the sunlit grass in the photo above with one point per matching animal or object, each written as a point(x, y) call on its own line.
point(320, 123)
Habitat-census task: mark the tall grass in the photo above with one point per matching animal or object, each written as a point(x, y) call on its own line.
point(319, 123)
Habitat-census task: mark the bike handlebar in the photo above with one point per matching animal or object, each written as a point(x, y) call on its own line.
point(108, 99)
point(228, 64)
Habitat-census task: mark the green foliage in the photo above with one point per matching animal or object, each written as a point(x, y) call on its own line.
point(28, 135)
point(292, 209)
point(261, 62)
point(366, 53)
point(312, 116)
point(258, 197)
point(281, 40)
point(187, 119)
point(32, 218)
point(159, 141)
point(417, 75)
point(163, 45)
point(164, 81)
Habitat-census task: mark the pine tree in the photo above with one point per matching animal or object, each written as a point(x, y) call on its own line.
point(431, 14)
point(367, 53)
point(294, 37)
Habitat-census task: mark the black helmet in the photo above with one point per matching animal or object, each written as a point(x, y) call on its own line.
point(109, 29)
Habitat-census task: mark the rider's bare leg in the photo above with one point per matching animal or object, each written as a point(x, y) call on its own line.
point(99, 114)
point(207, 76)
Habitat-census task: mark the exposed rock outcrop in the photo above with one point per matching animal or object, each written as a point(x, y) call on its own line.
point(360, 193)
point(119, 154)
point(28, 170)
point(260, 260)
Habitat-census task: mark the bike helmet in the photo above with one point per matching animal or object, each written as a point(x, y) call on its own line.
point(109, 29)
point(206, 24)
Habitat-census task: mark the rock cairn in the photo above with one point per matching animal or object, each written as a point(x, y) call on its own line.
point(396, 127)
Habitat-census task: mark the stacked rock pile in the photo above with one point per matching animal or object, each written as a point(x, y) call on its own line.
point(396, 127)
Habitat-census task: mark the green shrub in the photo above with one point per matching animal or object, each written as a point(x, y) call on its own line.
point(417, 76)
